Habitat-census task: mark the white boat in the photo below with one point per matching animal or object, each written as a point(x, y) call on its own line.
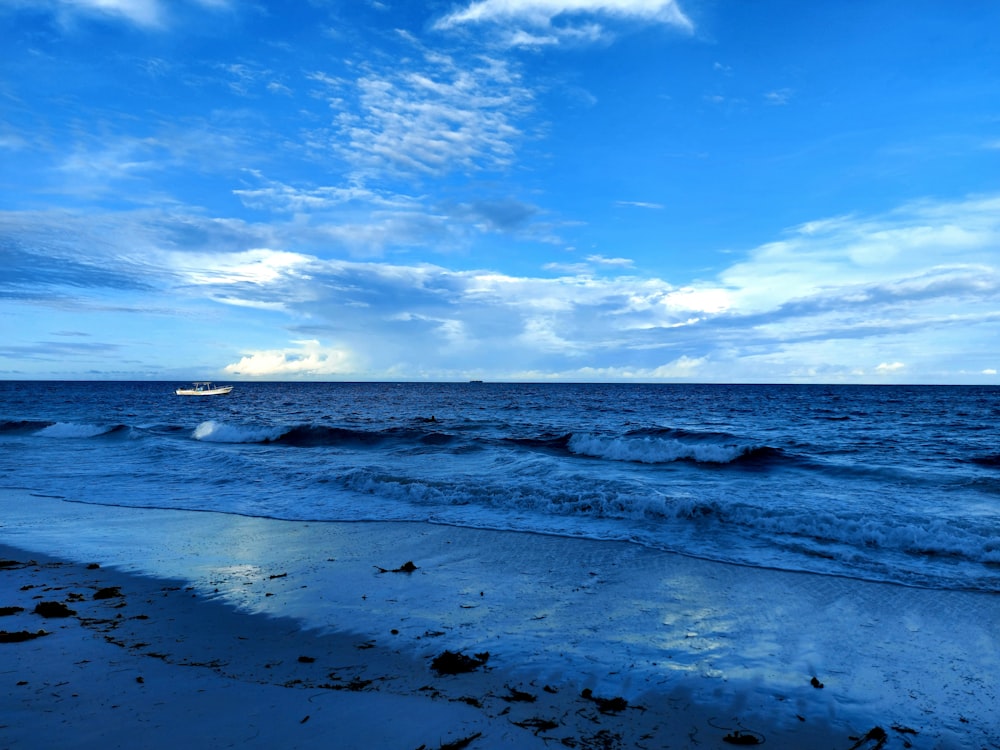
point(204, 388)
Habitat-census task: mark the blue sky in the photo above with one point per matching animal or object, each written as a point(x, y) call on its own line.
point(595, 190)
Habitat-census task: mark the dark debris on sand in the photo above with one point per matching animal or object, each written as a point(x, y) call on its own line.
point(743, 738)
point(15, 564)
point(537, 724)
point(407, 567)
point(876, 735)
point(53, 609)
point(20, 636)
point(457, 744)
point(518, 696)
point(454, 662)
point(605, 705)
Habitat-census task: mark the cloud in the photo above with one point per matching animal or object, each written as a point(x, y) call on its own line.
point(57, 351)
point(303, 359)
point(146, 14)
point(778, 97)
point(890, 367)
point(844, 298)
point(503, 215)
point(640, 204)
point(920, 240)
point(618, 262)
point(278, 197)
point(140, 12)
point(541, 13)
point(260, 266)
point(429, 120)
point(682, 368)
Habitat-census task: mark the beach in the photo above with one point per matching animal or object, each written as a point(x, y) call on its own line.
point(223, 630)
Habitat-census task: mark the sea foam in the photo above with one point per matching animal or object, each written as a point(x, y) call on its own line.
point(222, 432)
point(658, 450)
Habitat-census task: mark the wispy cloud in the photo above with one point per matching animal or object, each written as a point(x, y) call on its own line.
point(526, 23)
point(429, 120)
point(843, 252)
point(640, 204)
point(57, 351)
point(778, 97)
point(147, 14)
point(542, 12)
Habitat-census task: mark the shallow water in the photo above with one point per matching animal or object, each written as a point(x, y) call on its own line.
point(898, 484)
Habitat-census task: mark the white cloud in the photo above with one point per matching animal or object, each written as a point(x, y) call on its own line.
point(141, 12)
point(431, 120)
point(279, 197)
point(705, 300)
point(778, 97)
point(989, 371)
point(546, 23)
point(542, 12)
point(258, 266)
point(818, 305)
point(640, 204)
point(148, 14)
point(922, 240)
point(307, 358)
point(601, 260)
point(888, 368)
point(682, 368)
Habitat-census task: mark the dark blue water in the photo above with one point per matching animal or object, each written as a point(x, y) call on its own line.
point(888, 483)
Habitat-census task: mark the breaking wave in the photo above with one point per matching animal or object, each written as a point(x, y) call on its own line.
point(653, 449)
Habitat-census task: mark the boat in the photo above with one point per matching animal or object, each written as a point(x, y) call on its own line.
point(204, 388)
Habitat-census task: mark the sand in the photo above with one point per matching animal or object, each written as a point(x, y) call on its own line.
point(219, 630)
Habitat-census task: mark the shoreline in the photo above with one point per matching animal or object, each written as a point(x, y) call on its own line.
point(696, 650)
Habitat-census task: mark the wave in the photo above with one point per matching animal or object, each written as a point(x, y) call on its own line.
point(311, 436)
point(70, 430)
point(221, 432)
point(23, 426)
point(991, 461)
point(706, 448)
point(62, 430)
point(899, 547)
point(646, 446)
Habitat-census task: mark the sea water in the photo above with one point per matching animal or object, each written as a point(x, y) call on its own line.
point(886, 483)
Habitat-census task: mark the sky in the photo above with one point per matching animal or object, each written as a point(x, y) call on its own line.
point(519, 190)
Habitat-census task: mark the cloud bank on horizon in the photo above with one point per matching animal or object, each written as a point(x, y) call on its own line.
point(597, 190)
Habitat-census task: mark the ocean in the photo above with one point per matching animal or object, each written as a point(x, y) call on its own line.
point(897, 484)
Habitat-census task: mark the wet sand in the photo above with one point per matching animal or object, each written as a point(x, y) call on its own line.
point(228, 631)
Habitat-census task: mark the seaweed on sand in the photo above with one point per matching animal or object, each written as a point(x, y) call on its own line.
point(53, 609)
point(455, 662)
point(739, 737)
point(407, 567)
point(876, 735)
point(19, 636)
point(605, 705)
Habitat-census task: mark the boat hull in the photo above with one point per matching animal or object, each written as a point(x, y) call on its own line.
point(219, 391)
